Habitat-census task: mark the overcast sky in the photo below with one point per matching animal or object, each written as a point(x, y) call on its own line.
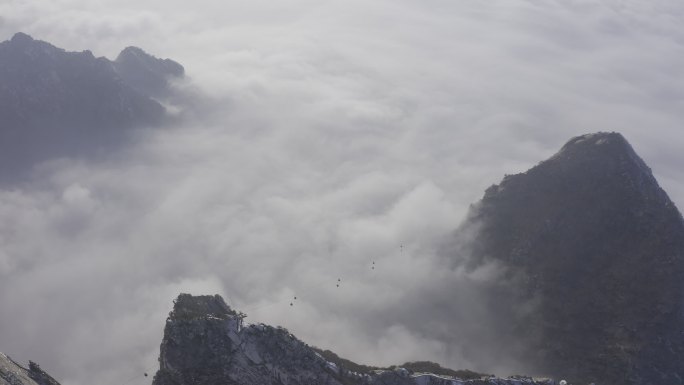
point(326, 134)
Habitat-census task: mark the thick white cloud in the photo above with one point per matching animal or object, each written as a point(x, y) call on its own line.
point(328, 134)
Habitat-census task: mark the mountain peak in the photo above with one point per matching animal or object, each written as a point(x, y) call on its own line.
point(138, 55)
point(591, 241)
point(21, 38)
point(597, 147)
point(147, 73)
point(188, 306)
point(598, 138)
point(133, 51)
point(599, 142)
point(589, 167)
point(24, 46)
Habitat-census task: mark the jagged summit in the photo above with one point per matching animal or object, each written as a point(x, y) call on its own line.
point(595, 247)
point(187, 307)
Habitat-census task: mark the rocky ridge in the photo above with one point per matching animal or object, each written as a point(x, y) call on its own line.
point(206, 342)
point(12, 373)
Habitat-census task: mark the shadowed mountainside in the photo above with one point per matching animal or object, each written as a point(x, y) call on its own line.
point(595, 248)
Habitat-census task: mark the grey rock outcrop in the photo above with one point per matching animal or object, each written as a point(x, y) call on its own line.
point(596, 248)
point(12, 373)
point(205, 343)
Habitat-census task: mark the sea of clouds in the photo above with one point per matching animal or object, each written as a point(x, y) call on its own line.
point(317, 140)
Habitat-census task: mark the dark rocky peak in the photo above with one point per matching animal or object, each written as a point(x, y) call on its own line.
point(595, 247)
point(21, 39)
point(596, 145)
point(206, 343)
point(188, 307)
point(147, 73)
point(602, 153)
point(595, 190)
point(23, 42)
point(25, 47)
point(602, 160)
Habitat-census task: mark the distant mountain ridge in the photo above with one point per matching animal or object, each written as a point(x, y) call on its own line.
point(594, 246)
point(57, 103)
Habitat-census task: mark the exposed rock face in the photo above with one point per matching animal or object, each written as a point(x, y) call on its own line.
point(205, 343)
point(12, 373)
point(590, 238)
point(57, 103)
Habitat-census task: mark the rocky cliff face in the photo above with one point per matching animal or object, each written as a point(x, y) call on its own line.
point(205, 342)
point(596, 247)
point(57, 103)
point(12, 373)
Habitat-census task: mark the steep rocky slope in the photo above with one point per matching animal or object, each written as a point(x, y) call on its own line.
point(12, 373)
point(595, 248)
point(205, 342)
